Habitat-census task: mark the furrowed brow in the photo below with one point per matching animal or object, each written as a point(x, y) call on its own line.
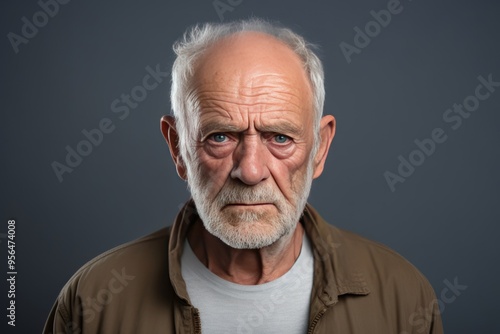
point(279, 127)
point(282, 128)
point(210, 128)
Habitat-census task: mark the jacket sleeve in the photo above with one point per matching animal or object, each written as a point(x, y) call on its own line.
point(436, 325)
point(426, 317)
point(55, 321)
point(60, 321)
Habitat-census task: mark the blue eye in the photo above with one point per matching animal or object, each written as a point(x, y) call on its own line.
point(281, 139)
point(219, 137)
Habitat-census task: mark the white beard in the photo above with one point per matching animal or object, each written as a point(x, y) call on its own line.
point(249, 227)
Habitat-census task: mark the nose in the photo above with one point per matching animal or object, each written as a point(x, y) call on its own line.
point(250, 161)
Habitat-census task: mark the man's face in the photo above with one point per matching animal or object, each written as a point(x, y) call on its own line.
point(252, 168)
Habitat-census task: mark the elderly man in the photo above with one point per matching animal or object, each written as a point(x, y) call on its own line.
point(247, 254)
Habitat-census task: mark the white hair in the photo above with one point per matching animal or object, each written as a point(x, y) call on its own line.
point(199, 38)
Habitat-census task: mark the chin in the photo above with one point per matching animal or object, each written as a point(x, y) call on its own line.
point(254, 234)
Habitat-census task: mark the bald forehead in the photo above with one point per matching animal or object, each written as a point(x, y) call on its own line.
point(251, 44)
point(251, 58)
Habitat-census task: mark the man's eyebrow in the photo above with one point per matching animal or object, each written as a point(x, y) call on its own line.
point(278, 127)
point(212, 127)
point(282, 128)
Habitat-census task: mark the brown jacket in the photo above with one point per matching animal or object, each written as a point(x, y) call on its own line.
point(359, 287)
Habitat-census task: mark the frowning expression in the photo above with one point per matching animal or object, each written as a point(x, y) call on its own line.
point(252, 164)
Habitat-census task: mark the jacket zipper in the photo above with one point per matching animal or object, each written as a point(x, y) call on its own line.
point(315, 321)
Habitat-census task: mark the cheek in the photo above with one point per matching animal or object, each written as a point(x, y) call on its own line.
point(213, 171)
point(289, 173)
point(218, 150)
point(282, 152)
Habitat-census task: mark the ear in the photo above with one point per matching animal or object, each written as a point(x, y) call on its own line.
point(326, 134)
point(169, 131)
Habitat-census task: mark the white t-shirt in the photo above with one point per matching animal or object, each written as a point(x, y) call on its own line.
point(280, 306)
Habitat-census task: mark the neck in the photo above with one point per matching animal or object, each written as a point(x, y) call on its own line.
point(245, 266)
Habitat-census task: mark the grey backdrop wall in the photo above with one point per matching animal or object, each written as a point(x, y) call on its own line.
point(391, 83)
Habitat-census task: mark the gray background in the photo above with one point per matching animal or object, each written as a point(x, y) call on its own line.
point(443, 218)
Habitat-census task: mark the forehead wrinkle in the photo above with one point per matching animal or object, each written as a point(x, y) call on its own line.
point(274, 85)
point(224, 114)
point(227, 105)
point(263, 95)
point(264, 88)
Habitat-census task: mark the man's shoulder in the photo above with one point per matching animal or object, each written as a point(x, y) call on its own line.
point(131, 279)
point(370, 278)
point(353, 254)
point(362, 245)
point(144, 255)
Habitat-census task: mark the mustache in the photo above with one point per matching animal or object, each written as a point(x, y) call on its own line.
point(238, 193)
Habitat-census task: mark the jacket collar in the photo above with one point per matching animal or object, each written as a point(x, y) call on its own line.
point(333, 272)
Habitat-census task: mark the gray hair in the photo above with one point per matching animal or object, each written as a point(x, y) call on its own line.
point(200, 37)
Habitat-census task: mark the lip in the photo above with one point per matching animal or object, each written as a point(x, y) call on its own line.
point(248, 204)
